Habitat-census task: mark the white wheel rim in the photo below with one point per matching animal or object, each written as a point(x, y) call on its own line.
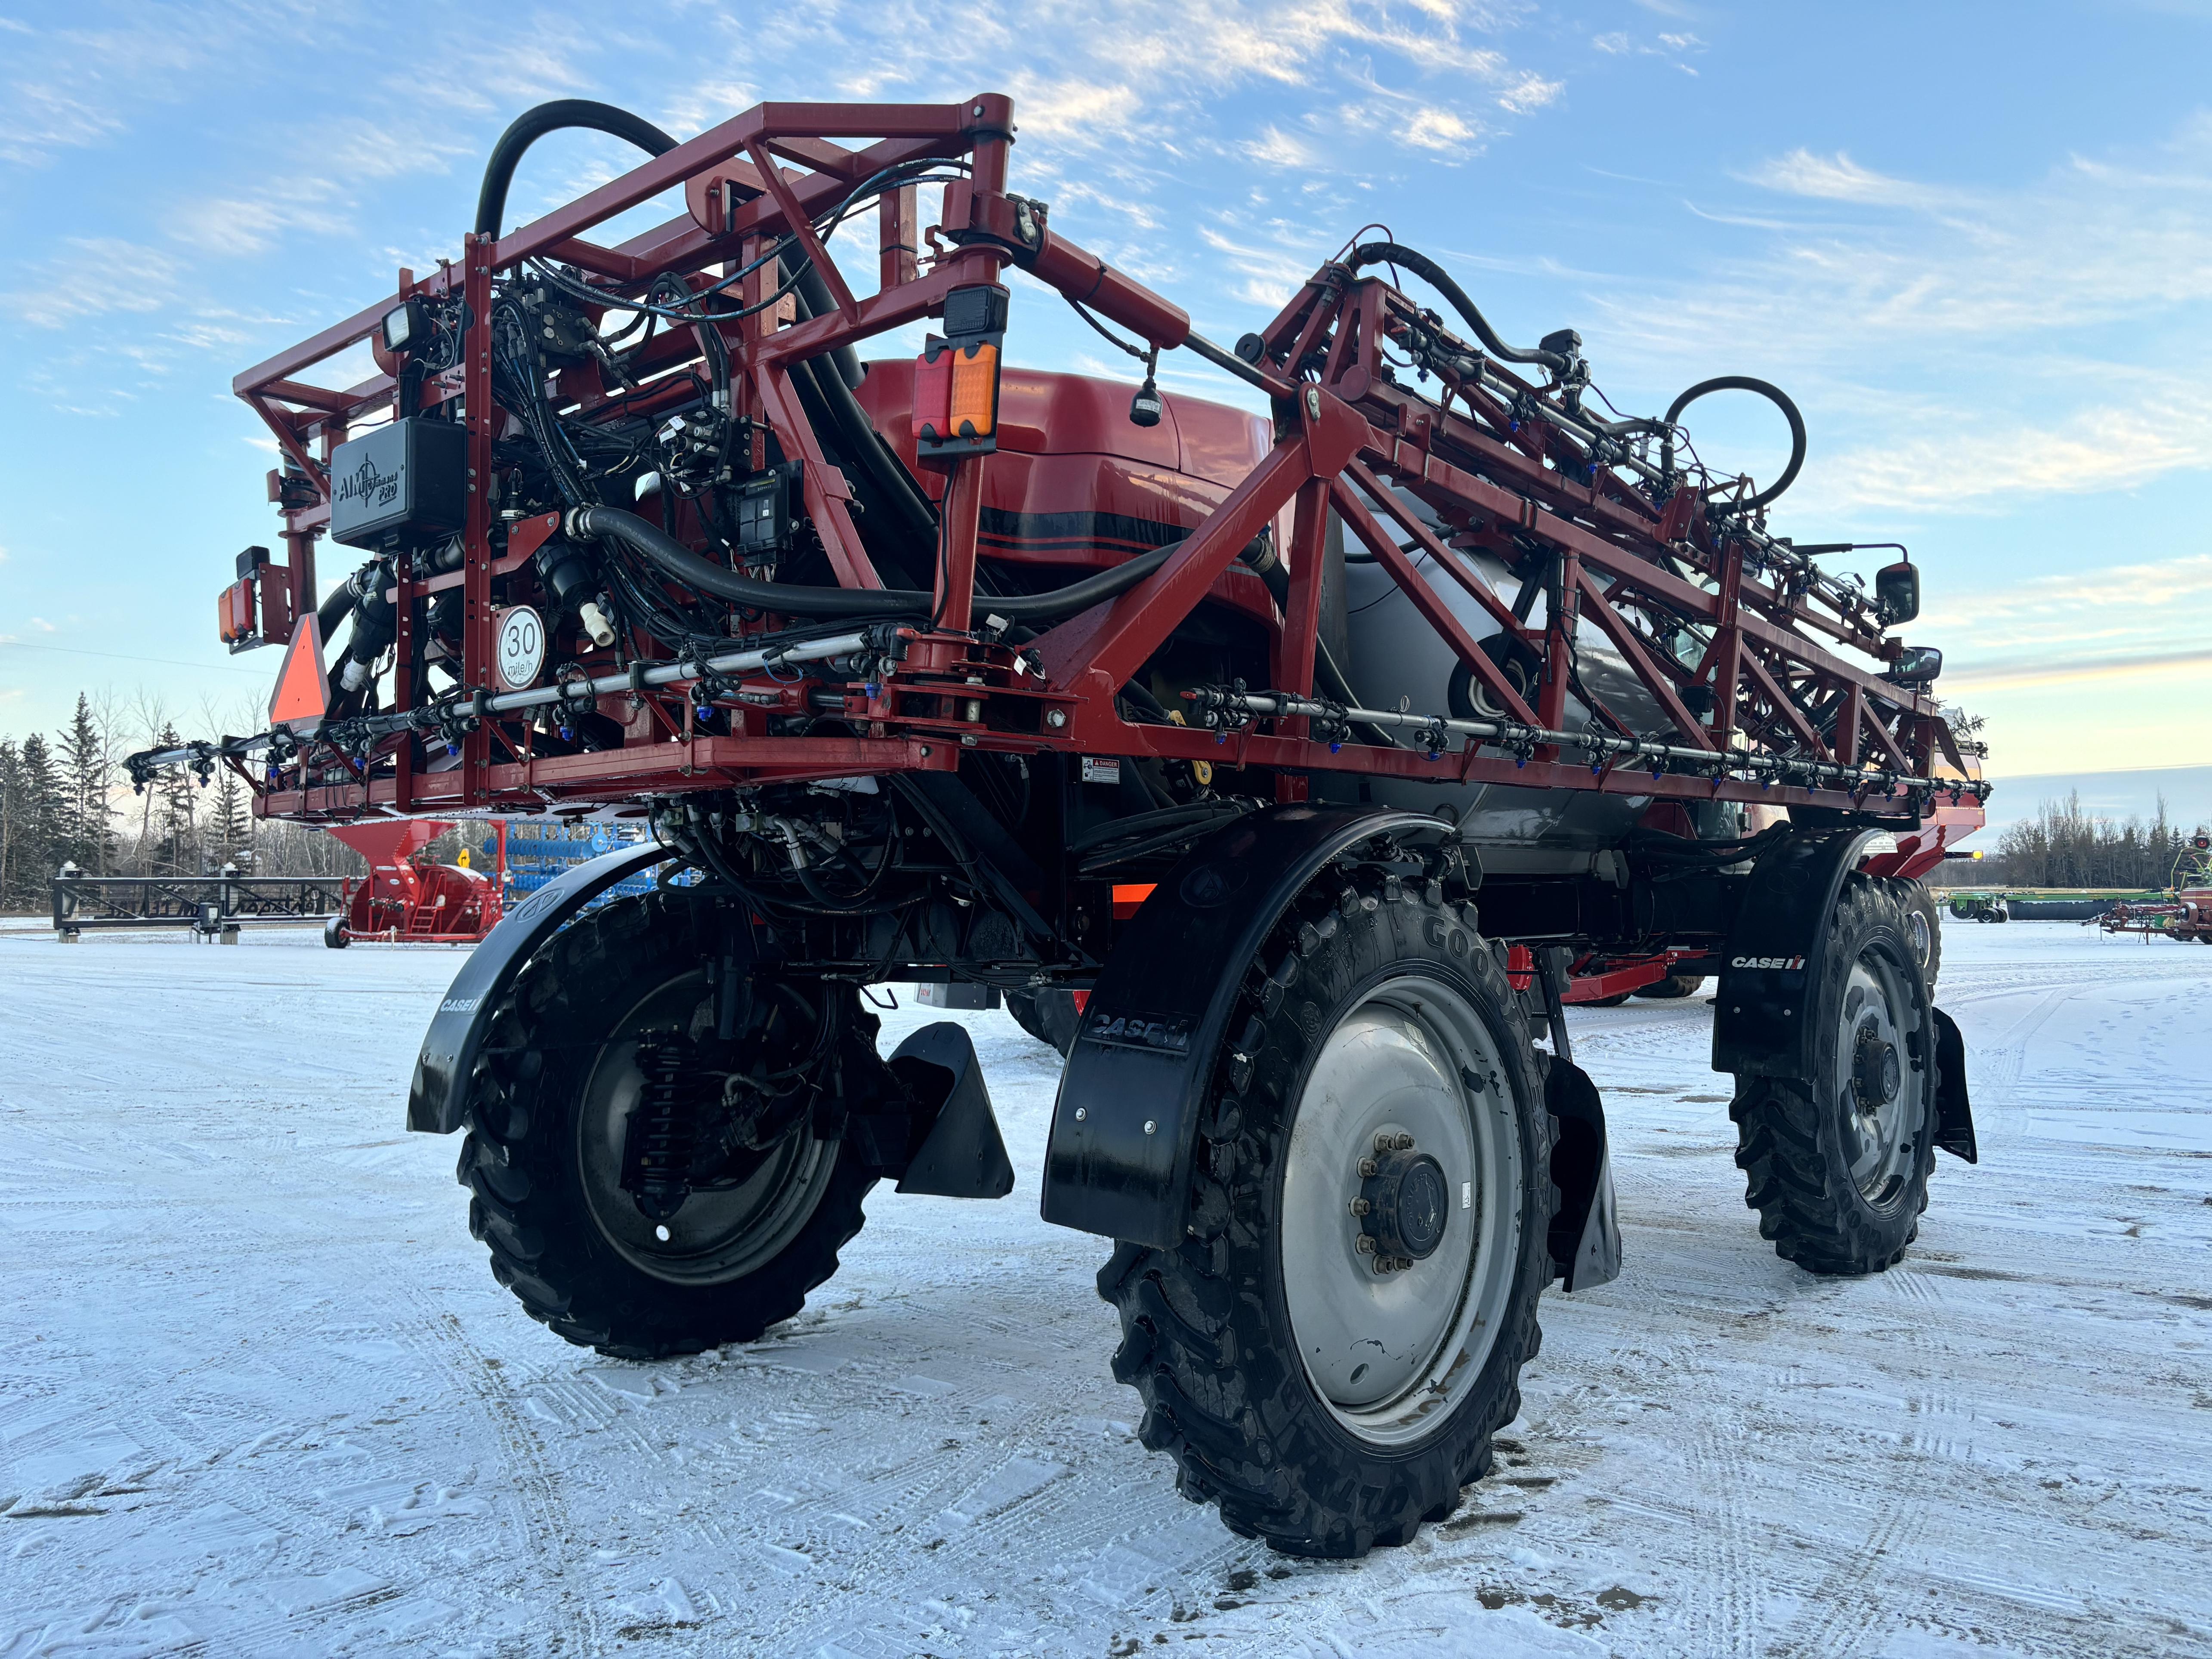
point(1881, 1136)
point(1390, 1354)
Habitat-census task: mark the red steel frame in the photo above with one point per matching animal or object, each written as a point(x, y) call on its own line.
point(1629, 564)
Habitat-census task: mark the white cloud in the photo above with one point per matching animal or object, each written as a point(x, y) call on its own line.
point(2029, 607)
point(1440, 131)
point(1838, 178)
point(2103, 447)
point(1073, 110)
point(94, 275)
point(1528, 92)
point(2074, 306)
point(1272, 146)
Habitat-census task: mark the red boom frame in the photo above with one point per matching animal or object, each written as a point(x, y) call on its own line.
point(1496, 471)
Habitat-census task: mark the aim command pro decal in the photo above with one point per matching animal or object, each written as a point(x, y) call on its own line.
point(1167, 1035)
point(1785, 964)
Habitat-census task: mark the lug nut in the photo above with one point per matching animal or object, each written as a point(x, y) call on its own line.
point(1367, 1167)
point(1385, 1142)
point(1365, 1246)
point(1405, 1142)
point(1360, 1206)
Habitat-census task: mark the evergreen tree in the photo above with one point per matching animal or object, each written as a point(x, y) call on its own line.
point(11, 818)
point(46, 819)
point(230, 826)
point(175, 827)
point(89, 773)
point(32, 818)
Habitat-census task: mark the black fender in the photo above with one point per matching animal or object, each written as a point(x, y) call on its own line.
point(959, 1150)
point(1770, 972)
point(1955, 1114)
point(1132, 1093)
point(1585, 1236)
point(435, 1097)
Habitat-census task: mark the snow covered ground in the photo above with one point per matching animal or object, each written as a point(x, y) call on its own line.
point(258, 1394)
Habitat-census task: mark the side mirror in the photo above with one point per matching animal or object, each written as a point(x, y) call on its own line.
point(1919, 665)
point(1897, 593)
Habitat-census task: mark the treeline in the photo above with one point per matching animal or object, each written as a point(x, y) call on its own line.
point(65, 799)
point(2064, 845)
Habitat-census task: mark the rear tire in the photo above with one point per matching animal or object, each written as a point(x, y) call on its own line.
point(1838, 1166)
point(1672, 988)
point(1324, 1406)
point(1923, 923)
point(546, 1111)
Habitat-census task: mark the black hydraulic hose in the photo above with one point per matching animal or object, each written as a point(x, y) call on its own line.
point(337, 608)
point(790, 599)
point(1396, 253)
point(693, 571)
point(862, 444)
point(815, 294)
point(1077, 596)
point(1766, 389)
point(532, 124)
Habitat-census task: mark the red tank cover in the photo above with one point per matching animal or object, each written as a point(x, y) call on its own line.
point(1074, 482)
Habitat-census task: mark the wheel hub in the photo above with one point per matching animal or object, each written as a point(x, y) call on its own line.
point(1874, 1073)
point(1404, 1203)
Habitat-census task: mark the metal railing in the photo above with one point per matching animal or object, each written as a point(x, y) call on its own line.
point(215, 905)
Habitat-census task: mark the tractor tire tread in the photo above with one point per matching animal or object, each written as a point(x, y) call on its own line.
point(1796, 1174)
point(525, 1203)
point(1235, 1409)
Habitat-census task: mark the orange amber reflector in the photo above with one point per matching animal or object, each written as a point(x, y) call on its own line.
point(1127, 899)
point(975, 411)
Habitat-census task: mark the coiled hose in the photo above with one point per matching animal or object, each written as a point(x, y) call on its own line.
point(1766, 389)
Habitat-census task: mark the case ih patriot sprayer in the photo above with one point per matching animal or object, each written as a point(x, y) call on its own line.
point(1330, 752)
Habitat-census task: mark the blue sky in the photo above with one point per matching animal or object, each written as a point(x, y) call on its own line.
point(1973, 241)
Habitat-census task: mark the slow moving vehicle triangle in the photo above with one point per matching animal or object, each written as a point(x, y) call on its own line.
point(302, 693)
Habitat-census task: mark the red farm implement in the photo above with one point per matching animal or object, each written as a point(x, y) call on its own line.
point(407, 897)
point(1328, 751)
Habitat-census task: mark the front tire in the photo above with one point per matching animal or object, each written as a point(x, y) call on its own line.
point(1837, 1165)
point(548, 1117)
point(1326, 1406)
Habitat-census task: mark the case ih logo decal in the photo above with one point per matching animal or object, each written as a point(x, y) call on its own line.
point(1787, 965)
point(1170, 1036)
point(365, 485)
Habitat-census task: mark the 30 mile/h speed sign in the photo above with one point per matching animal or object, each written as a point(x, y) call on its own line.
point(518, 653)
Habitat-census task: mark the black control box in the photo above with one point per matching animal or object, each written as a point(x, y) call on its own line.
point(403, 485)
